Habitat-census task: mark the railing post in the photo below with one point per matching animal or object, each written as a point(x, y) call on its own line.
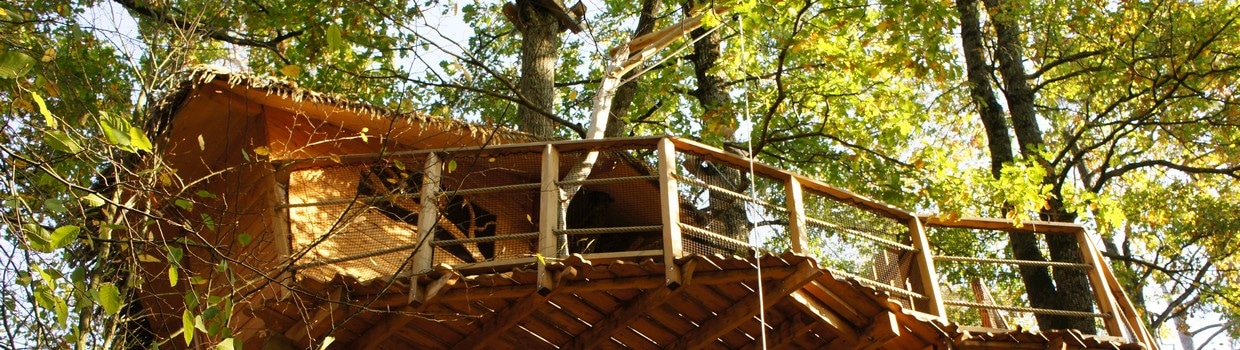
point(669, 196)
point(925, 269)
point(428, 217)
point(1102, 292)
point(548, 216)
point(796, 216)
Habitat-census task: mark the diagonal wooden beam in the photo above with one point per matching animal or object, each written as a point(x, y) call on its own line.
point(746, 308)
point(786, 332)
point(884, 328)
point(823, 314)
point(305, 333)
point(620, 319)
point(393, 323)
point(501, 322)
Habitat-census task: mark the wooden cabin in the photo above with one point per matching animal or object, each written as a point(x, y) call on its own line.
point(308, 218)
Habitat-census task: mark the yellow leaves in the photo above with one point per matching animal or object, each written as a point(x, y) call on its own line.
point(48, 55)
point(262, 151)
point(291, 70)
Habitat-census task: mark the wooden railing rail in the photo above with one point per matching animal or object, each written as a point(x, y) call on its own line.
point(918, 268)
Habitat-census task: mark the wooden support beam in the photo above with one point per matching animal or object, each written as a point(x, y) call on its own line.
point(428, 217)
point(510, 317)
point(1128, 311)
point(929, 278)
point(305, 333)
point(394, 322)
point(786, 332)
point(548, 217)
point(746, 308)
point(620, 319)
point(670, 203)
point(884, 328)
point(1102, 292)
point(797, 229)
point(824, 314)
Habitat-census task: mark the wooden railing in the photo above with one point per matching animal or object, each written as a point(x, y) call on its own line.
point(697, 186)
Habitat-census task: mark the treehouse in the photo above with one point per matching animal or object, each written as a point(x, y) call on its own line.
point(314, 220)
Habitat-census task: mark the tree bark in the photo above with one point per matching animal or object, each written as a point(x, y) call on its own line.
point(1062, 289)
point(540, 47)
point(727, 213)
point(617, 121)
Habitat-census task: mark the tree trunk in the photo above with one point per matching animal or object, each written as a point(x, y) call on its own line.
point(727, 214)
point(617, 121)
point(1063, 289)
point(540, 47)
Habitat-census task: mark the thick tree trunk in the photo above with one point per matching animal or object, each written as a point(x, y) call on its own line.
point(727, 213)
point(617, 122)
point(540, 47)
point(1064, 289)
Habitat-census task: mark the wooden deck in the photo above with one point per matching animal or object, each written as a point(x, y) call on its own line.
point(680, 293)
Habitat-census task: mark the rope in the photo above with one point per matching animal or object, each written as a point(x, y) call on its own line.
point(1012, 261)
point(859, 233)
point(608, 180)
point(754, 195)
point(703, 232)
point(878, 285)
point(1035, 310)
point(493, 189)
point(362, 199)
point(467, 240)
point(606, 230)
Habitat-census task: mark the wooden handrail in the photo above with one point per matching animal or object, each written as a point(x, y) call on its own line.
point(1109, 297)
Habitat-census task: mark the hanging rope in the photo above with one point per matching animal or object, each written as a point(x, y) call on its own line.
point(753, 194)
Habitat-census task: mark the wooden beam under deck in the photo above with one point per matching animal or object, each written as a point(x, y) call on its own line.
point(746, 308)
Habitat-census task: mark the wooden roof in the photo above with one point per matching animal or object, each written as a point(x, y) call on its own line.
point(626, 304)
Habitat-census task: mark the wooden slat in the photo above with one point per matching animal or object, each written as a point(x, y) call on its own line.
point(500, 323)
point(670, 203)
point(824, 314)
point(797, 230)
point(549, 216)
point(1131, 317)
point(882, 329)
point(848, 304)
point(715, 154)
point(1102, 292)
point(391, 324)
point(310, 330)
point(786, 332)
point(929, 278)
point(745, 309)
point(620, 319)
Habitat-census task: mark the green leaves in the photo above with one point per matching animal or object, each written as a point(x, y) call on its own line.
point(110, 298)
point(125, 136)
point(187, 327)
point(15, 64)
point(40, 239)
point(61, 141)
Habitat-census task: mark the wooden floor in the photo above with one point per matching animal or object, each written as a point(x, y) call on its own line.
point(620, 304)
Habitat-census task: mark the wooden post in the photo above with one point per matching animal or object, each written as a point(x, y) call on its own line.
point(1102, 292)
point(548, 216)
point(428, 217)
point(669, 196)
point(925, 269)
point(796, 216)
